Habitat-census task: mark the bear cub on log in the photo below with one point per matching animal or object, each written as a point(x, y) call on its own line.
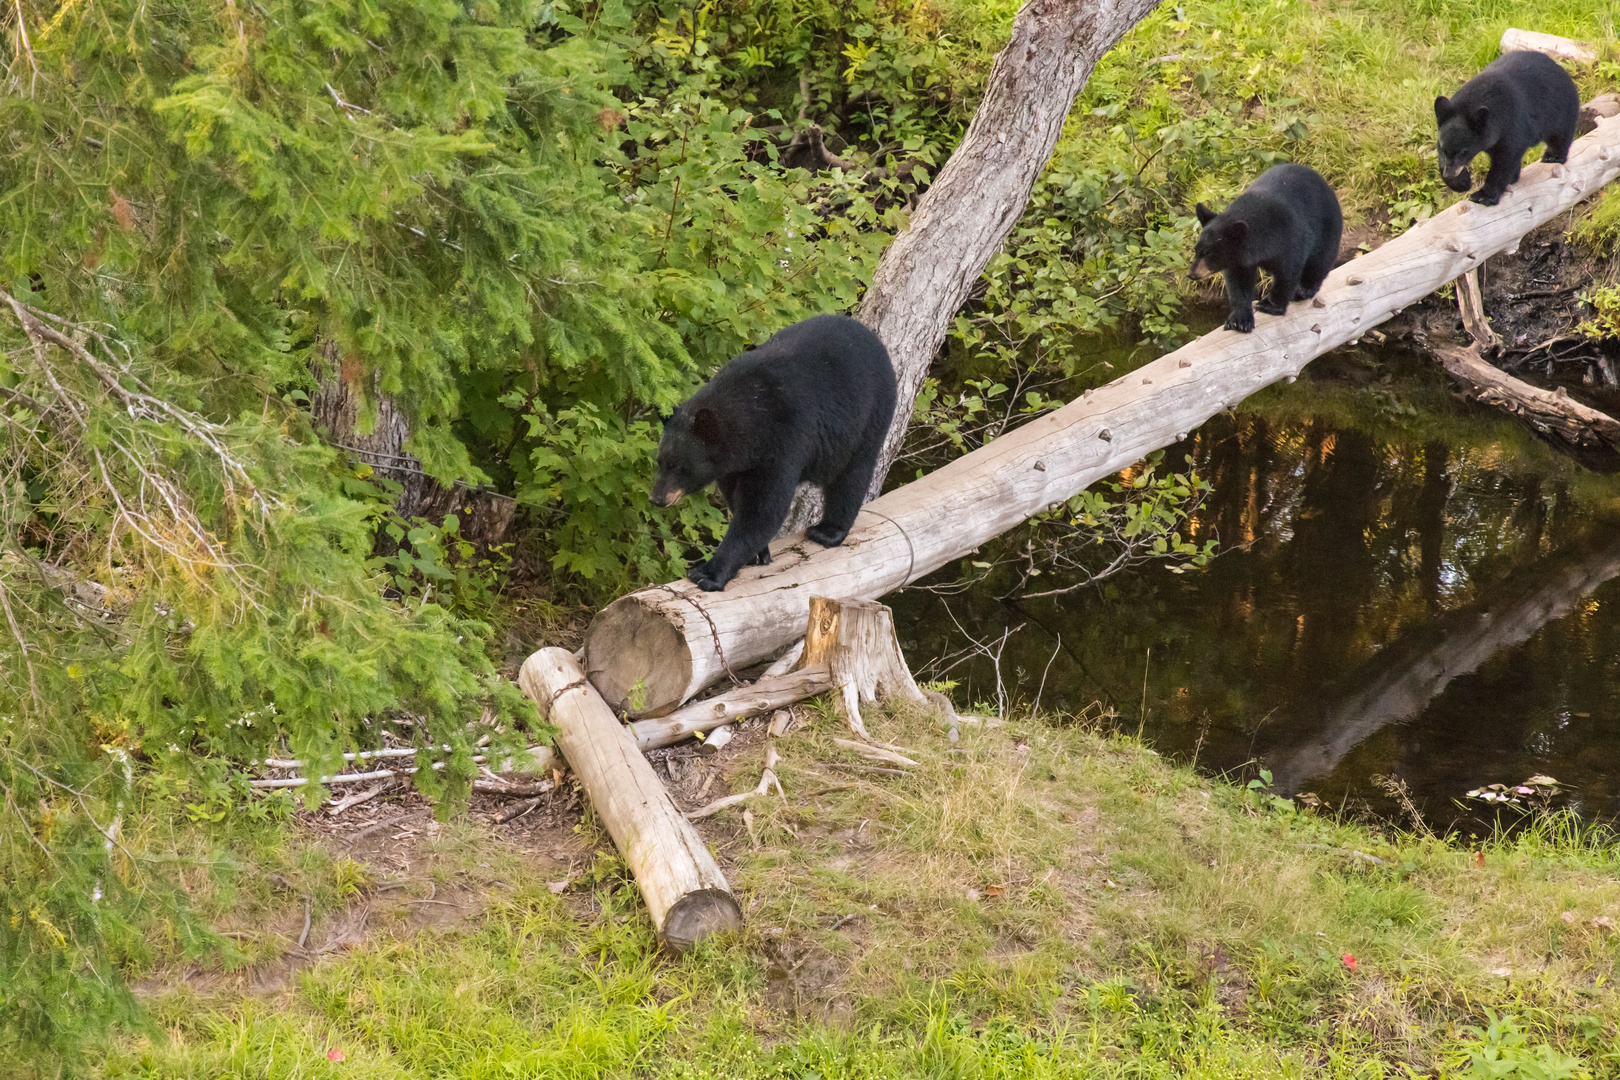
point(1287, 223)
point(813, 403)
point(1519, 100)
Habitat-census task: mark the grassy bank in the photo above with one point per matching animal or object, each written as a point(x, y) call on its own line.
point(1039, 901)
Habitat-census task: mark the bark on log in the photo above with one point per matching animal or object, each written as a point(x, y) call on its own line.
point(686, 894)
point(977, 198)
point(1552, 412)
point(676, 640)
point(1559, 48)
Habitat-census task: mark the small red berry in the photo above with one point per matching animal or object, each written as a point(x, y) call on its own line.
point(1349, 961)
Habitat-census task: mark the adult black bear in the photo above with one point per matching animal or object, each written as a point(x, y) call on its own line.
point(1520, 99)
point(812, 403)
point(1287, 223)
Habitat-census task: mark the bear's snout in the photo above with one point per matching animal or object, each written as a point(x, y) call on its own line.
point(662, 496)
point(1199, 270)
point(1457, 180)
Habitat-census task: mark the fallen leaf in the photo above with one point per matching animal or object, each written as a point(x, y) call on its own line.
point(973, 894)
point(1569, 917)
point(1109, 884)
point(1479, 859)
point(994, 890)
point(121, 211)
point(1349, 961)
point(1603, 922)
point(557, 887)
point(335, 1054)
point(1502, 971)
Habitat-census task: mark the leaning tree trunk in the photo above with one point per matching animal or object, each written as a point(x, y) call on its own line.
point(977, 198)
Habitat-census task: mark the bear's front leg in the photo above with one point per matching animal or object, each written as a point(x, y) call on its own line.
point(1240, 282)
point(1504, 171)
point(759, 506)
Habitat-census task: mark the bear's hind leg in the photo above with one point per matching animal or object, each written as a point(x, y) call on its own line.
point(1284, 283)
point(1315, 272)
point(843, 496)
point(1557, 152)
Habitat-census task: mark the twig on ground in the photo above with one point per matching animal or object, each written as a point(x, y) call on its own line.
point(518, 809)
point(767, 780)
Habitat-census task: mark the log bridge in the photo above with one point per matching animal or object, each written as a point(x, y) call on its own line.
point(651, 651)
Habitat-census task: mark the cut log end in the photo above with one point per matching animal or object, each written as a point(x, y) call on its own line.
point(698, 914)
point(632, 626)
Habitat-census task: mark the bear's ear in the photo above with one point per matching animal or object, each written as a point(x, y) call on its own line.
point(1205, 214)
point(1238, 231)
point(1442, 108)
point(1477, 118)
point(706, 426)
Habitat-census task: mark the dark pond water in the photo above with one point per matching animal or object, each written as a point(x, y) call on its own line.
point(1408, 587)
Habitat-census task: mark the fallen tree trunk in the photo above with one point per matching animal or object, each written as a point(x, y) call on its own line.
point(1552, 412)
point(1559, 48)
point(663, 645)
point(686, 894)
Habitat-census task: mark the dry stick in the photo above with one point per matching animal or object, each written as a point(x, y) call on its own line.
point(1471, 305)
point(663, 637)
point(359, 797)
point(518, 809)
point(876, 753)
point(767, 778)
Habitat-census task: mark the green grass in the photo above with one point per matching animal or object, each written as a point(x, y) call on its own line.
point(1361, 74)
point(1046, 902)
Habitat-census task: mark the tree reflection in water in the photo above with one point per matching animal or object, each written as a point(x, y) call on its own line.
point(1440, 612)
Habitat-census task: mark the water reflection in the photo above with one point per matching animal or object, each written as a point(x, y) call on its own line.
point(1436, 610)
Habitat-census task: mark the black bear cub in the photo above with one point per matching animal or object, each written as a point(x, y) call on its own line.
point(1520, 99)
point(812, 403)
point(1287, 223)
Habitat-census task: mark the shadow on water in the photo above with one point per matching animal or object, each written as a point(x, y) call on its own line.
point(1418, 591)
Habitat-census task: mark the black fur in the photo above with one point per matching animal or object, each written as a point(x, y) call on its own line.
point(812, 403)
point(1287, 223)
point(1519, 100)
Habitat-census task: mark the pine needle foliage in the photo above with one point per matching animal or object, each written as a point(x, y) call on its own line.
point(515, 222)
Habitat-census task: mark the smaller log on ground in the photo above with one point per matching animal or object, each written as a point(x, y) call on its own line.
point(686, 894)
point(1549, 411)
point(770, 693)
point(1559, 48)
point(849, 641)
